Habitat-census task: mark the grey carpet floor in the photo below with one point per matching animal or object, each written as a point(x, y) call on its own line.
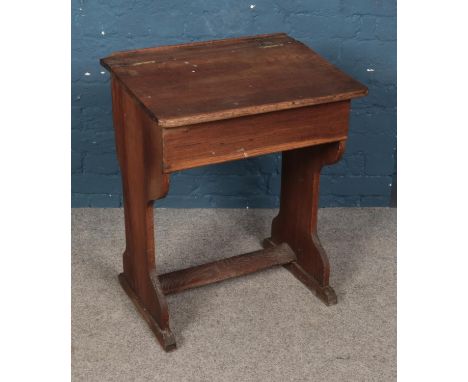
point(262, 327)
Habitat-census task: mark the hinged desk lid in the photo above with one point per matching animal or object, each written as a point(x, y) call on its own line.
point(214, 80)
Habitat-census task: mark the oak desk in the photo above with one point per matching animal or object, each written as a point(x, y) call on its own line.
point(178, 107)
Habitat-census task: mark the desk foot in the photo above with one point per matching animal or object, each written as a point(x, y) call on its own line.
point(324, 293)
point(165, 337)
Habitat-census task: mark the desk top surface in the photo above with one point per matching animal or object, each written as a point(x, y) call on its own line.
point(214, 80)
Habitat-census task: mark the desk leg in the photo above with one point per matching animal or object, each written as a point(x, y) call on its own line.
point(133, 132)
point(296, 222)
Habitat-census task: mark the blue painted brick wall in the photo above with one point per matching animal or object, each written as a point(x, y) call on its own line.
point(358, 36)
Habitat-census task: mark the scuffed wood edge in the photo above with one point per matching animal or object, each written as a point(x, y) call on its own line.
point(168, 122)
point(165, 337)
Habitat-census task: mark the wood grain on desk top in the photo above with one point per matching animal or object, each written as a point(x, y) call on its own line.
point(214, 80)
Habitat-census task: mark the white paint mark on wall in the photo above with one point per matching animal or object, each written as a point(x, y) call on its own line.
point(103, 72)
point(103, 33)
point(87, 74)
point(370, 70)
point(252, 6)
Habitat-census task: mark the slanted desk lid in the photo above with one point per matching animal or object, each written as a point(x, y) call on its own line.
point(214, 80)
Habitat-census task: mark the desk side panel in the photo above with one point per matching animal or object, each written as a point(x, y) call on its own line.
point(238, 138)
point(128, 114)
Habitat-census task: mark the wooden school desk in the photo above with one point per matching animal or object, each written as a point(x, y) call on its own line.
point(189, 105)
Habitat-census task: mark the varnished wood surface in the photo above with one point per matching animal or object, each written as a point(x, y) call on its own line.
point(296, 222)
point(189, 105)
point(208, 81)
point(224, 269)
point(142, 181)
point(239, 138)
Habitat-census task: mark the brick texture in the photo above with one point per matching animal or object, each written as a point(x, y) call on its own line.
point(358, 36)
